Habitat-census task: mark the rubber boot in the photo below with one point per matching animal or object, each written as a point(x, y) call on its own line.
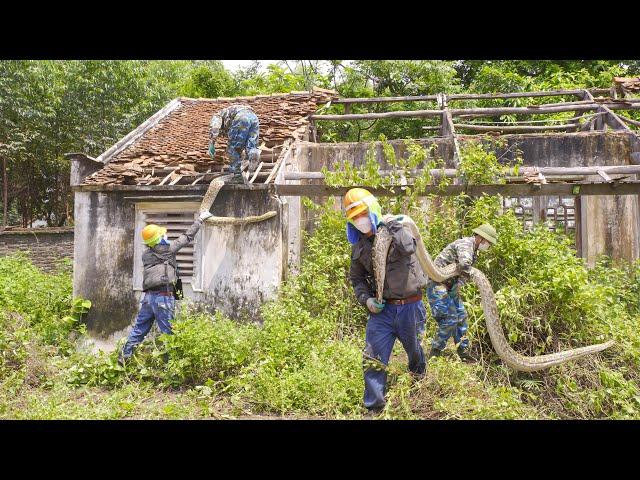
point(465, 356)
point(435, 352)
point(237, 179)
point(122, 360)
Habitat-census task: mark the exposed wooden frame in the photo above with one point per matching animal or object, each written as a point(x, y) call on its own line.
point(522, 171)
point(465, 96)
point(513, 190)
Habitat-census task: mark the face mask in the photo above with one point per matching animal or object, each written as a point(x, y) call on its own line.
point(363, 224)
point(484, 246)
point(165, 240)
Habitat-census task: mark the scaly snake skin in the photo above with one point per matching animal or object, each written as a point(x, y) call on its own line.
point(210, 197)
point(513, 359)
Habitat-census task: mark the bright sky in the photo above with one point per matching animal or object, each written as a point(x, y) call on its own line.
point(233, 65)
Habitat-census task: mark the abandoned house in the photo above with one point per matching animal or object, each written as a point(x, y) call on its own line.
point(580, 178)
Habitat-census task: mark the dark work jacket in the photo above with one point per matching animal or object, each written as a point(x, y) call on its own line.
point(153, 259)
point(404, 277)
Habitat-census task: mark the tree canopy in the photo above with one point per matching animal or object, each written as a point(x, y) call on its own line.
point(49, 108)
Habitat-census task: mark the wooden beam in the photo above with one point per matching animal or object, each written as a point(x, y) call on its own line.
point(284, 154)
point(164, 180)
point(628, 120)
point(415, 98)
point(459, 96)
point(615, 121)
point(146, 198)
point(478, 96)
point(494, 111)
point(478, 112)
point(162, 188)
point(256, 172)
point(604, 175)
point(512, 190)
point(372, 116)
point(515, 128)
point(447, 127)
point(451, 172)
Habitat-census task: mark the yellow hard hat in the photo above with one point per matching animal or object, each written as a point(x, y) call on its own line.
point(356, 201)
point(152, 234)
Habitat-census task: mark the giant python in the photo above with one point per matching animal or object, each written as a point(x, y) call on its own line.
point(513, 359)
point(210, 196)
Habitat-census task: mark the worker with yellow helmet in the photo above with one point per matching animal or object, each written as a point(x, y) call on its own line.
point(402, 314)
point(158, 282)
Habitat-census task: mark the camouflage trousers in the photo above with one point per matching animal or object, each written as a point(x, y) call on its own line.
point(244, 134)
point(448, 310)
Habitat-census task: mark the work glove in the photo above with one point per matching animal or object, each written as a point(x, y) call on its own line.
point(212, 150)
point(374, 306)
point(205, 215)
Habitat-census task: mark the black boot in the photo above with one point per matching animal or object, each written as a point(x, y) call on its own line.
point(435, 352)
point(122, 360)
point(237, 179)
point(465, 356)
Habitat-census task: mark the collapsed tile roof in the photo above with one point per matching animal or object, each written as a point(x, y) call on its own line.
point(172, 148)
point(627, 85)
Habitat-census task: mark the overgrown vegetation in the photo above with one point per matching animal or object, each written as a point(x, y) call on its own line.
point(304, 360)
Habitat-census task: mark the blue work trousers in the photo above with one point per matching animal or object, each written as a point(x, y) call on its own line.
point(404, 322)
point(448, 310)
point(160, 308)
point(244, 134)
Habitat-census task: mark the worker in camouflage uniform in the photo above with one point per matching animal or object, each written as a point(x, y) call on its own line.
point(402, 314)
point(242, 128)
point(159, 276)
point(444, 298)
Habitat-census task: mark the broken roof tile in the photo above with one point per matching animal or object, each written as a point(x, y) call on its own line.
point(181, 139)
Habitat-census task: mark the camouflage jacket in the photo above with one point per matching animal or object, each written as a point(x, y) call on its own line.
point(221, 121)
point(462, 252)
point(155, 274)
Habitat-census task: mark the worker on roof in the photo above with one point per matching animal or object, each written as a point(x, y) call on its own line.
point(160, 274)
point(402, 314)
point(444, 299)
point(242, 128)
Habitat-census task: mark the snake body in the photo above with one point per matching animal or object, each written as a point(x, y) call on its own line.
point(210, 197)
point(513, 359)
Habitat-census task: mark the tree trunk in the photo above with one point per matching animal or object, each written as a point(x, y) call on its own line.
point(5, 198)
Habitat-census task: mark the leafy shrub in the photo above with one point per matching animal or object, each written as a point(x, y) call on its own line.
point(207, 348)
point(305, 359)
point(42, 299)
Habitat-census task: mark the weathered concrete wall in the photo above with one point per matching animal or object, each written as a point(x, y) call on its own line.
point(242, 265)
point(81, 167)
point(46, 247)
point(103, 260)
point(610, 224)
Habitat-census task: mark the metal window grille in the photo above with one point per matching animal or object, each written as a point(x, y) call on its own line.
point(560, 214)
point(522, 208)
